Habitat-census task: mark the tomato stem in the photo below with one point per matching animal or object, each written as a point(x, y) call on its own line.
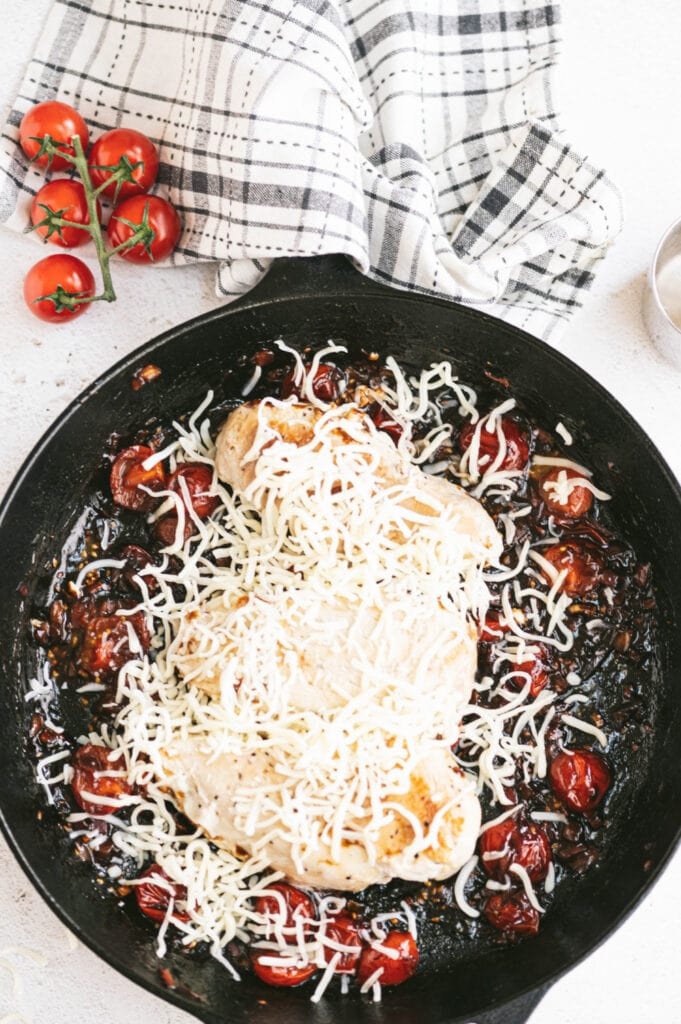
point(94, 227)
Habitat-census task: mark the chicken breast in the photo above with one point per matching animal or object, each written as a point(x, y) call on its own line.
point(334, 657)
point(215, 791)
point(252, 428)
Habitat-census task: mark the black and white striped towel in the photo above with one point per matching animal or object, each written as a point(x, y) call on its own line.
point(416, 136)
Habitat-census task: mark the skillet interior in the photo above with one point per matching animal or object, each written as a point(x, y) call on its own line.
point(42, 507)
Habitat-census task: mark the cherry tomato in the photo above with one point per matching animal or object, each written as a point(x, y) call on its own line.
point(343, 930)
point(536, 668)
point(512, 912)
point(522, 843)
point(137, 559)
point(284, 975)
point(132, 147)
point(198, 478)
point(582, 562)
point(106, 643)
point(67, 199)
point(295, 905)
point(88, 762)
point(578, 501)
point(384, 421)
point(165, 529)
point(154, 894)
point(517, 445)
point(59, 275)
point(494, 627)
point(90, 606)
point(58, 120)
point(580, 779)
point(162, 218)
point(128, 475)
point(327, 386)
point(395, 971)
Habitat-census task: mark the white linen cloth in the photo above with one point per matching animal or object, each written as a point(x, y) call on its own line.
point(418, 137)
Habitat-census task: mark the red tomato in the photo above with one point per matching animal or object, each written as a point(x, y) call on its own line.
point(67, 199)
point(165, 529)
point(327, 385)
point(50, 282)
point(106, 643)
point(198, 478)
point(137, 559)
point(580, 779)
point(512, 912)
point(88, 762)
point(131, 147)
point(583, 563)
point(517, 445)
point(343, 930)
point(384, 421)
point(155, 893)
point(295, 905)
point(395, 971)
point(58, 120)
point(494, 627)
point(162, 218)
point(525, 844)
point(128, 475)
point(578, 501)
point(282, 975)
point(536, 668)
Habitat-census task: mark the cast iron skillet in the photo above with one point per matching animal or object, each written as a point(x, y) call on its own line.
point(303, 302)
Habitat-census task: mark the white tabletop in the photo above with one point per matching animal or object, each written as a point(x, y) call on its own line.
point(619, 84)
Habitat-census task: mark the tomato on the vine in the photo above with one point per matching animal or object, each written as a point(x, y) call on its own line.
point(66, 199)
point(163, 220)
point(60, 122)
point(138, 154)
point(51, 283)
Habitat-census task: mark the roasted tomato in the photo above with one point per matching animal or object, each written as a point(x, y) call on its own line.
point(517, 445)
point(133, 150)
point(165, 529)
point(343, 931)
point(137, 559)
point(395, 969)
point(158, 214)
point(128, 476)
point(494, 627)
point(97, 779)
point(198, 478)
point(284, 974)
point(537, 669)
point(583, 563)
point(66, 199)
point(53, 283)
point(327, 386)
point(512, 912)
point(58, 120)
point(384, 421)
point(153, 895)
point(105, 647)
point(559, 498)
point(515, 842)
point(580, 779)
point(293, 903)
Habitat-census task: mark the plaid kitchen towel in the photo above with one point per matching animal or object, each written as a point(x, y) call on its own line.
point(416, 136)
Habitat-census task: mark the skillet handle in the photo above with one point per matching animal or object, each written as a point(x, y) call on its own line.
point(292, 276)
point(517, 1012)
